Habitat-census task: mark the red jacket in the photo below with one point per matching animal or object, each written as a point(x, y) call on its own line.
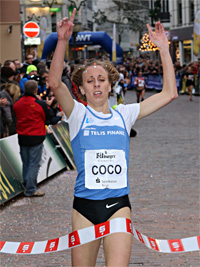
point(31, 115)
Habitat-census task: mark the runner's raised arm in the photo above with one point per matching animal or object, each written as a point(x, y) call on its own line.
point(60, 90)
point(169, 91)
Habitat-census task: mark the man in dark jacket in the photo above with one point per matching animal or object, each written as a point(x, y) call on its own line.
point(31, 115)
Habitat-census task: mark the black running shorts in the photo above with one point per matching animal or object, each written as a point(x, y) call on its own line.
point(98, 211)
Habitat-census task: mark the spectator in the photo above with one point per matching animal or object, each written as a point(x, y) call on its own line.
point(11, 64)
point(7, 74)
point(41, 66)
point(43, 82)
point(55, 113)
point(36, 60)
point(31, 115)
point(17, 63)
point(66, 80)
point(28, 61)
point(189, 81)
point(3, 102)
point(10, 92)
point(19, 70)
point(31, 70)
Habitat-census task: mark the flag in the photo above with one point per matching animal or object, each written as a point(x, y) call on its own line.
point(114, 44)
point(196, 34)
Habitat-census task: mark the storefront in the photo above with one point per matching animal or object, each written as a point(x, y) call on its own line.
point(182, 44)
point(46, 17)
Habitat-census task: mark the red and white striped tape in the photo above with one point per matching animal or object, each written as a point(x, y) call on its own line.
point(89, 234)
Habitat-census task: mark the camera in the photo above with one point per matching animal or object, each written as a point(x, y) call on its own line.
point(37, 78)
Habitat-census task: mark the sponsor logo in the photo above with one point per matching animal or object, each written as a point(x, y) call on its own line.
point(153, 244)
point(86, 133)
point(25, 247)
point(175, 245)
point(98, 133)
point(52, 245)
point(102, 229)
point(112, 205)
point(104, 156)
point(74, 239)
point(115, 133)
point(140, 237)
point(98, 180)
point(83, 37)
point(129, 227)
point(89, 120)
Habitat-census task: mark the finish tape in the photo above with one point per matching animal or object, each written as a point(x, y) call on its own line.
point(89, 234)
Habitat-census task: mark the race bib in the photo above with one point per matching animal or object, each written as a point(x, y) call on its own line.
point(105, 169)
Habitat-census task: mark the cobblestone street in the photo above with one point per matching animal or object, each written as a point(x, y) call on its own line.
point(164, 174)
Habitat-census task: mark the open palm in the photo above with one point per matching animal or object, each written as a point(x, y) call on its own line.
point(158, 37)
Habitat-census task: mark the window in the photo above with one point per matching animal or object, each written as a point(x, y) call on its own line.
point(53, 22)
point(165, 15)
point(90, 25)
point(191, 10)
point(179, 8)
point(89, 4)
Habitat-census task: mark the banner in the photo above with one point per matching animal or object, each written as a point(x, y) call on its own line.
point(61, 133)
point(114, 44)
point(11, 181)
point(196, 35)
point(89, 234)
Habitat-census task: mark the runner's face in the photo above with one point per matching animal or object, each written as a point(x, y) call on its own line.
point(96, 86)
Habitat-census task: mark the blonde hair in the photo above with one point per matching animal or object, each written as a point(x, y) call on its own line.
point(13, 89)
point(113, 74)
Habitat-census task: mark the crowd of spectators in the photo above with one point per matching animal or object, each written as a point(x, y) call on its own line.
point(153, 67)
point(15, 73)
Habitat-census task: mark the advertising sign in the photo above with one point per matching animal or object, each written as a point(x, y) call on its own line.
point(11, 181)
point(61, 133)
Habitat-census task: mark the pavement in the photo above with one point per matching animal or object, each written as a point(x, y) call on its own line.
point(165, 192)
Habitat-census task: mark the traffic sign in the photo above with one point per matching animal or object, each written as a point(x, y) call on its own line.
point(31, 29)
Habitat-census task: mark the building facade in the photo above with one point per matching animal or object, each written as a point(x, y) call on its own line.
point(130, 17)
point(182, 13)
point(10, 30)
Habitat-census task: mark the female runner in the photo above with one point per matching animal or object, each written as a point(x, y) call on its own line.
point(140, 87)
point(100, 143)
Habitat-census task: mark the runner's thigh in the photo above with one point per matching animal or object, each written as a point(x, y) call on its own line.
point(117, 247)
point(84, 255)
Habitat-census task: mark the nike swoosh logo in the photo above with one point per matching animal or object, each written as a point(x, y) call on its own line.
point(110, 206)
